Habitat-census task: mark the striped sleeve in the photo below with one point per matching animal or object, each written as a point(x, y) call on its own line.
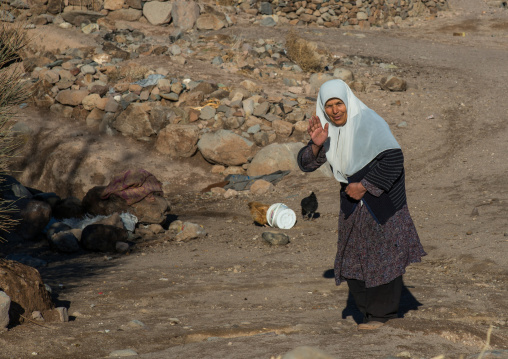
point(388, 169)
point(306, 159)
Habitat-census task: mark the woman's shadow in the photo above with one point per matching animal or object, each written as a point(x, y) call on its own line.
point(407, 302)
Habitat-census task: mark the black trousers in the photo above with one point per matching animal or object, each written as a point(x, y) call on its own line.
point(378, 304)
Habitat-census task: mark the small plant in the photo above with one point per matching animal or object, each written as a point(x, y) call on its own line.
point(303, 53)
point(13, 92)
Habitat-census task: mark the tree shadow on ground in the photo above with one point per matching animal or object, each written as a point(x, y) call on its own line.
point(408, 302)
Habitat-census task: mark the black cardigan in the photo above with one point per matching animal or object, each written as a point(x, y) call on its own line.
point(386, 172)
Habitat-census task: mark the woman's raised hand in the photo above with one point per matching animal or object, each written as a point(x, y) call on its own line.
point(317, 133)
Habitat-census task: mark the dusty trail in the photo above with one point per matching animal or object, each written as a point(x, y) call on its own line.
point(235, 297)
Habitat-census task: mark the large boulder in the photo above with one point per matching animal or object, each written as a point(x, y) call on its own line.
point(102, 237)
point(5, 304)
point(225, 147)
point(178, 140)
point(157, 12)
point(152, 209)
point(24, 286)
point(281, 157)
point(35, 215)
point(184, 14)
point(135, 122)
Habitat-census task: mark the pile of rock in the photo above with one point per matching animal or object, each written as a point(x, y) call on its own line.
point(342, 13)
point(90, 15)
point(93, 224)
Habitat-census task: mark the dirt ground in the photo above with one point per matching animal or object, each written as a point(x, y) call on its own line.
point(229, 295)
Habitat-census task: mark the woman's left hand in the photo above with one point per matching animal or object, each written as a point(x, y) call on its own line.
point(355, 190)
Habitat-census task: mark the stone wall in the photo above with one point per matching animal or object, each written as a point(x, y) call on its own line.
point(339, 13)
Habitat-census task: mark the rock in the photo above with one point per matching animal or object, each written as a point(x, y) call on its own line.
point(268, 21)
point(316, 80)
point(71, 97)
point(250, 86)
point(273, 158)
point(91, 101)
point(261, 109)
point(305, 352)
point(151, 209)
point(5, 304)
point(226, 148)
point(70, 207)
point(393, 83)
point(190, 231)
point(277, 239)
point(178, 140)
point(77, 18)
point(265, 8)
point(184, 14)
point(210, 21)
point(206, 87)
point(261, 186)
point(122, 353)
point(125, 15)
point(122, 247)
point(134, 121)
point(343, 74)
point(65, 242)
point(102, 237)
point(34, 218)
point(113, 4)
point(207, 113)
point(282, 128)
point(158, 13)
point(25, 287)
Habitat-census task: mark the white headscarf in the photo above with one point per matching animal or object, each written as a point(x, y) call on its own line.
point(352, 146)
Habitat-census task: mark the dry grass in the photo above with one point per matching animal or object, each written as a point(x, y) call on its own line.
point(13, 92)
point(303, 53)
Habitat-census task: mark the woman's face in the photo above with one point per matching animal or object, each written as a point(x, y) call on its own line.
point(336, 111)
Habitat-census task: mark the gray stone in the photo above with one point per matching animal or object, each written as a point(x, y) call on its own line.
point(207, 113)
point(226, 148)
point(276, 238)
point(261, 109)
point(343, 74)
point(316, 80)
point(217, 60)
point(122, 353)
point(254, 129)
point(265, 8)
point(65, 242)
point(184, 14)
point(157, 12)
point(170, 96)
point(5, 304)
point(87, 69)
point(268, 22)
point(190, 231)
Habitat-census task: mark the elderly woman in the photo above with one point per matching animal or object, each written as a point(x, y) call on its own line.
point(377, 237)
